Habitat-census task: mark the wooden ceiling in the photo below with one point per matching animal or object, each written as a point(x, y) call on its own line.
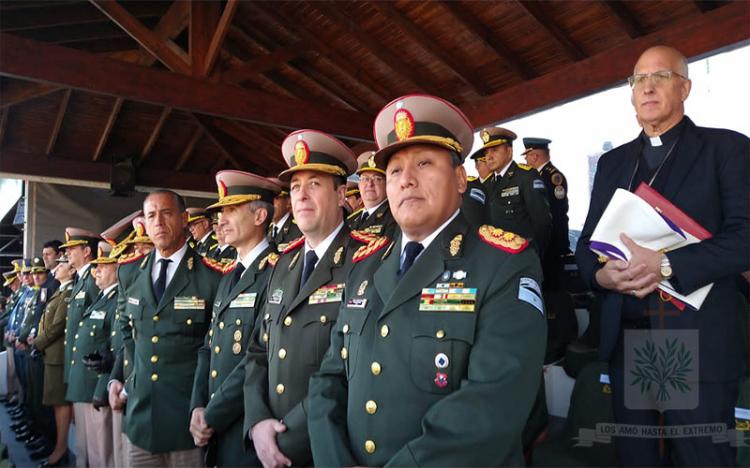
point(186, 88)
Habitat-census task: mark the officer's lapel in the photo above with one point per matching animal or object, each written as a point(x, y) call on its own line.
point(143, 282)
point(179, 281)
point(686, 151)
point(248, 278)
point(322, 273)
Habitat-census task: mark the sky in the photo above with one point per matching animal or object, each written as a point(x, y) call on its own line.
point(720, 97)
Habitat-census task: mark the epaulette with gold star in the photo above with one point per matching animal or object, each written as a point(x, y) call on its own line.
point(354, 214)
point(363, 236)
point(503, 240)
point(525, 167)
point(369, 249)
point(269, 259)
point(295, 244)
point(213, 264)
point(129, 258)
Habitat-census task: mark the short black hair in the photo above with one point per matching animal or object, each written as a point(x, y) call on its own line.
point(179, 200)
point(52, 244)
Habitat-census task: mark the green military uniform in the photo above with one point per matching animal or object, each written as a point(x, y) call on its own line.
point(225, 256)
point(165, 339)
point(474, 203)
point(287, 233)
point(380, 222)
point(82, 296)
point(127, 269)
point(205, 246)
point(518, 203)
point(92, 335)
point(49, 341)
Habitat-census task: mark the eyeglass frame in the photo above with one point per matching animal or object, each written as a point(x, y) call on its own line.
point(632, 79)
point(371, 179)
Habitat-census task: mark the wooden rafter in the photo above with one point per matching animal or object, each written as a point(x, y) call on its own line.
point(58, 122)
point(217, 40)
point(332, 88)
point(204, 16)
point(534, 10)
point(419, 82)
point(624, 17)
point(170, 26)
point(144, 36)
point(67, 15)
point(446, 57)
point(154, 135)
point(17, 92)
point(185, 155)
point(245, 70)
point(108, 128)
point(225, 154)
point(70, 68)
point(3, 122)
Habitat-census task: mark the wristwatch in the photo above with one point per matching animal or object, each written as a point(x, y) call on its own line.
point(666, 268)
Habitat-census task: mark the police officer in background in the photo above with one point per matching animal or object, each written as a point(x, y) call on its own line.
point(537, 156)
point(283, 228)
point(474, 205)
point(436, 355)
point(517, 200)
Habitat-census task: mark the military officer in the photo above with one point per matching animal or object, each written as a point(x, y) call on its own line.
point(283, 228)
point(517, 199)
point(246, 204)
point(142, 244)
point(91, 338)
point(435, 358)
point(304, 295)
point(375, 217)
point(474, 204)
point(223, 252)
point(537, 156)
point(14, 283)
point(168, 302)
point(199, 224)
point(353, 195)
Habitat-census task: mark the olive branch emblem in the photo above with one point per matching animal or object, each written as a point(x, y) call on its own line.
point(665, 367)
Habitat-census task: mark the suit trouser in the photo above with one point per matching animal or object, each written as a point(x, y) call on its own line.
point(98, 435)
point(716, 401)
point(138, 457)
point(20, 365)
point(79, 414)
point(119, 440)
point(42, 416)
point(11, 372)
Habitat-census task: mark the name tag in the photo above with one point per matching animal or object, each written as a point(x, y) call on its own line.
point(357, 303)
point(448, 300)
point(276, 296)
point(81, 295)
point(133, 301)
point(98, 315)
point(244, 300)
point(509, 192)
point(327, 294)
point(189, 302)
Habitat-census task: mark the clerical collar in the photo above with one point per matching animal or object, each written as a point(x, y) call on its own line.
point(666, 138)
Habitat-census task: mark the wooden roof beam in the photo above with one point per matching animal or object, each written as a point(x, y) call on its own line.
point(68, 15)
point(165, 112)
point(399, 67)
point(108, 128)
point(217, 40)
point(263, 63)
point(58, 122)
point(627, 21)
point(204, 124)
point(3, 122)
point(170, 26)
point(17, 92)
point(188, 151)
point(719, 28)
point(707, 5)
point(30, 60)
point(204, 16)
point(448, 59)
point(537, 12)
point(486, 35)
point(140, 33)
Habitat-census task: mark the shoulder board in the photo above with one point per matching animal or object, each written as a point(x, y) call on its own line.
point(112, 293)
point(129, 258)
point(354, 214)
point(270, 259)
point(295, 244)
point(503, 240)
point(369, 249)
point(471, 178)
point(229, 267)
point(143, 263)
point(86, 273)
point(525, 167)
point(213, 264)
point(363, 236)
point(213, 246)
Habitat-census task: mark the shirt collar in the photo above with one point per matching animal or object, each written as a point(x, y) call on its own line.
point(372, 210)
point(175, 257)
point(205, 238)
point(428, 240)
point(542, 167)
point(83, 269)
point(502, 171)
point(250, 257)
point(281, 222)
point(321, 249)
point(109, 288)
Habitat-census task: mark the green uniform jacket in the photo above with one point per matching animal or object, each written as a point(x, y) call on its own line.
point(205, 246)
point(30, 317)
point(408, 381)
point(51, 334)
point(518, 203)
point(474, 203)
point(225, 256)
point(122, 342)
point(221, 367)
point(290, 340)
point(166, 338)
point(380, 223)
point(93, 335)
point(288, 232)
point(83, 295)
point(5, 319)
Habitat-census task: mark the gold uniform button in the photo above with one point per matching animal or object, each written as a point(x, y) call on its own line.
point(375, 368)
point(217, 350)
point(221, 325)
point(80, 324)
point(91, 333)
point(211, 332)
point(117, 316)
point(267, 316)
point(345, 329)
point(369, 446)
point(237, 335)
point(288, 321)
point(282, 353)
point(154, 358)
point(280, 388)
point(114, 333)
point(126, 362)
point(212, 396)
point(371, 407)
point(155, 318)
point(265, 337)
point(440, 334)
point(72, 362)
point(214, 374)
point(154, 377)
point(344, 353)
point(238, 322)
point(384, 330)
point(154, 339)
point(189, 321)
point(323, 319)
point(74, 349)
point(76, 337)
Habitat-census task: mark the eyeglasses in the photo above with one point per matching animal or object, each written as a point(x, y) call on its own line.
point(658, 78)
point(371, 179)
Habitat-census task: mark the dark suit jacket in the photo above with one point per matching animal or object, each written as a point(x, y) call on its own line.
point(707, 178)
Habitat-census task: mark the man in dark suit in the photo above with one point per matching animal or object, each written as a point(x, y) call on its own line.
point(705, 173)
point(302, 303)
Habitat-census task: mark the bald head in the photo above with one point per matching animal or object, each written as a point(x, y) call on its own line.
point(668, 54)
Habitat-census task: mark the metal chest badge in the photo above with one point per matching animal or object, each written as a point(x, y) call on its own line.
point(362, 288)
point(455, 246)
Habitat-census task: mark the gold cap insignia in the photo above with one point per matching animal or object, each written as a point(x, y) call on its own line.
point(301, 152)
point(485, 135)
point(371, 161)
point(403, 124)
